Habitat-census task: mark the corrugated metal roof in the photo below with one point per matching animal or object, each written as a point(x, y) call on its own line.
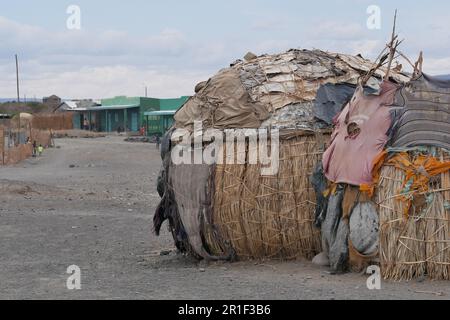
point(114, 107)
point(71, 104)
point(160, 113)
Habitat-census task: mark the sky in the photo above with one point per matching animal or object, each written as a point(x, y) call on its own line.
point(169, 46)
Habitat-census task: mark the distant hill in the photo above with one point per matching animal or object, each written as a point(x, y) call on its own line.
point(3, 100)
point(444, 77)
point(29, 107)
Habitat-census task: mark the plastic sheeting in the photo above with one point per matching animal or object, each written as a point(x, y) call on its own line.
point(335, 231)
point(425, 118)
point(256, 91)
point(364, 228)
point(193, 204)
point(320, 184)
point(332, 98)
point(222, 103)
point(294, 116)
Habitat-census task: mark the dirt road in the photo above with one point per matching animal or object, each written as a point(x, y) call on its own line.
point(90, 203)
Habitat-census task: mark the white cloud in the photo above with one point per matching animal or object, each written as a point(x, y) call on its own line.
point(436, 66)
point(82, 64)
point(334, 30)
point(367, 48)
point(264, 24)
point(79, 64)
point(100, 82)
point(39, 41)
point(341, 36)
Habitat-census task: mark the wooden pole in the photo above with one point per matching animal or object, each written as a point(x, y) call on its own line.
point(393, 47)
point(18, 97)
point(2, 144)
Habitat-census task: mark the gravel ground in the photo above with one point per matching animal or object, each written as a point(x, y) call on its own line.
point(90, 203)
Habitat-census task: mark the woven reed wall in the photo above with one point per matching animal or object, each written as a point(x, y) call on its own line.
point(21, 152)
point(16, 154)
point(43, 137)
point(58, 121)
point(269, 216)
point(420, 244)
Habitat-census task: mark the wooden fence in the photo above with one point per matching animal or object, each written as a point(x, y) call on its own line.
point(15, 150)
point(53, 121)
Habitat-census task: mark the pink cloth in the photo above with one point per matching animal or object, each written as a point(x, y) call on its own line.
point(349, 159)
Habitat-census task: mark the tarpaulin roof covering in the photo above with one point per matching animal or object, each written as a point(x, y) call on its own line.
point(274, 90)
point(424, 114)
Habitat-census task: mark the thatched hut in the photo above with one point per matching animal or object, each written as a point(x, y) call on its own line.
point(233, 209)
point(388, 171)
point(413, 188)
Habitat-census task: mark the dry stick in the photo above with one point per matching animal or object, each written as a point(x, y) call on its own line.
point(406, 58)
point(392, 47)
point(418, 65)
point(420, 61)
point(440, 294)
point(414, 65)
point(391, 59)
point(391, 55)
point(380, 64)
point(377, 66)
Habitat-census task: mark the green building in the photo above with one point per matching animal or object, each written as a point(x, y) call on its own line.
point(158, 121)
point(130, 114)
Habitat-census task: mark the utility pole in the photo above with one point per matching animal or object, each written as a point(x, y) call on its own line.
point(146, 91)
point(17, 78)
point(18, 98)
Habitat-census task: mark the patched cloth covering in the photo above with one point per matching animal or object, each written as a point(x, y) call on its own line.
point(193, 205)
point(360, 135)
point(223, 102)
point(425, 118)
point(273, 90)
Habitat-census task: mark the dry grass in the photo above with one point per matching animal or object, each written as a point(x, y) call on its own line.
point(420, 244)
point(54, 121)
point(438, 240)
point(270, 216)
point(438, 229)
point(402, 246)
